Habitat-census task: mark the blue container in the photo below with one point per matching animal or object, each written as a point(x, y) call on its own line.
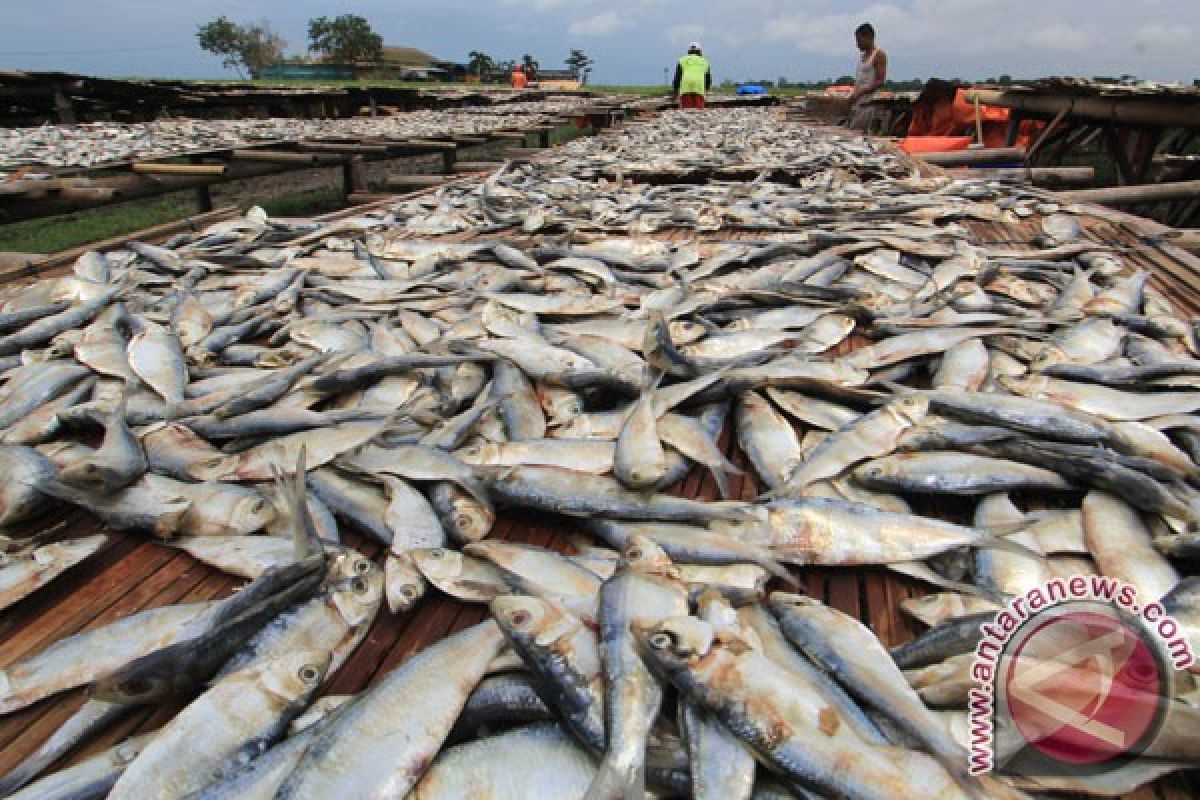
point(751, 89)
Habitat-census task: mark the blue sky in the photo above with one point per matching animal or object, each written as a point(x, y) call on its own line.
point(634, 42)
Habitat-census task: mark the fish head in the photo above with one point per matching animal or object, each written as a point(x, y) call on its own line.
point(215, 468)
point(1047, 358)
point(403, 583)
point(911, 408)
point(438, 563)
point(290, 678)
point(788, 603)
point(252, 512)
point(71, 552)
point(532, 621)
point(674, 644)
point(642, 554)
point(357, 588)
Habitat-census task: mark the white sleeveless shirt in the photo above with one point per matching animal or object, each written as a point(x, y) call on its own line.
point(865, 76)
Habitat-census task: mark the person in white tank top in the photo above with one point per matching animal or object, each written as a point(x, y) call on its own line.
point(870, 74)
point(872, 65)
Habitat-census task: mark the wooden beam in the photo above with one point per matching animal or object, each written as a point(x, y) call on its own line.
point(477, 166)
point(409, 182)
point(1164, 111)
point(962, 158)
point(156, 168)
point(285, 157)
point(346, 148)
point(1148, 193)
point(365, 198)
point(1039, 176)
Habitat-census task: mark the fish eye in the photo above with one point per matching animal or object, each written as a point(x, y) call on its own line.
point(663, 640)
point(309, 674)
point(362, 566)
point(359, 585)
point(520, 618)
point(437, 553)
point(409, 592)
point(634, 553)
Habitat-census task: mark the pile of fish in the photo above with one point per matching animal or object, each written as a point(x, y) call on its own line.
point(97, 143)
point(815, 179)
point(250, 392)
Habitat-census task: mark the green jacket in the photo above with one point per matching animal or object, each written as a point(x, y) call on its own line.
point(693, 74)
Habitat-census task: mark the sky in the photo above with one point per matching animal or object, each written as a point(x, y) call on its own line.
point(635, 43)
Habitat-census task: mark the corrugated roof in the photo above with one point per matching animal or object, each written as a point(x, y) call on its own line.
point(408, 56)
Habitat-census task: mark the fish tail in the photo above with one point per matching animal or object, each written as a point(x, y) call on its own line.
point(1000, 543)
point(615, 781)
point(722, 481)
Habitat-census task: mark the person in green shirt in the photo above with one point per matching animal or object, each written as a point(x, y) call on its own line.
point(693, 77)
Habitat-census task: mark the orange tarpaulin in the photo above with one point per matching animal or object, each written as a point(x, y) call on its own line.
point(939, 113)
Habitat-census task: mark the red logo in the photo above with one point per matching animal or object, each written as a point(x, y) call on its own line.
point(1084, 686)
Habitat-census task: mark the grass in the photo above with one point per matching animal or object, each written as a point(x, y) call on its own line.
point(51, 234)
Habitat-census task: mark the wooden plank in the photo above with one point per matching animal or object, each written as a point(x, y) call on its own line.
point(156, 168)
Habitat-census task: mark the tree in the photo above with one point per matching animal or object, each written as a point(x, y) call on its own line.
point(345, 40)
point(580, 64)
point(479, 63)
point(530, 64)
point(245, 48)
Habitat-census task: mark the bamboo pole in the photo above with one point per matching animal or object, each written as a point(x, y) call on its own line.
point(284, 157)
point(477, 166)
point(1148, 193)
point(1039, 176)
point(350, 149)
point(155, 168)
point(963, 158)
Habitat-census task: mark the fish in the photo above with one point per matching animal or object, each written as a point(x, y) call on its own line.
point(244, 709)
point(24, 572)
point(644, 589)
point(372, 749)
point(555, 767)
point(742, 687)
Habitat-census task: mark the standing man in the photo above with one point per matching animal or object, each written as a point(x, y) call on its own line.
point(693, 78)
point(519, 78)
point(869, 77)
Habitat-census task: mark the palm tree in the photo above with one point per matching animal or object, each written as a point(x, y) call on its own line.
point(479, 63)
point(531, 64)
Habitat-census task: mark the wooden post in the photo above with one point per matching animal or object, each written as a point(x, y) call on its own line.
point(354, 176)
point(204, 202)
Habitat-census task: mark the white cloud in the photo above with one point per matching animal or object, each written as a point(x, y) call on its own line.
point(685, 33)
point(1061, 37)
point(599, 25)
point(1157, 35)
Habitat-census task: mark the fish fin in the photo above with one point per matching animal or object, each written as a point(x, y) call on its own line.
point(1000, 543)
point(780, 571)
point(617, 782)
point(722, 481)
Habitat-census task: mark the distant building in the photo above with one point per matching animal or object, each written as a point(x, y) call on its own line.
point(397, 64)
point(411, 64)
